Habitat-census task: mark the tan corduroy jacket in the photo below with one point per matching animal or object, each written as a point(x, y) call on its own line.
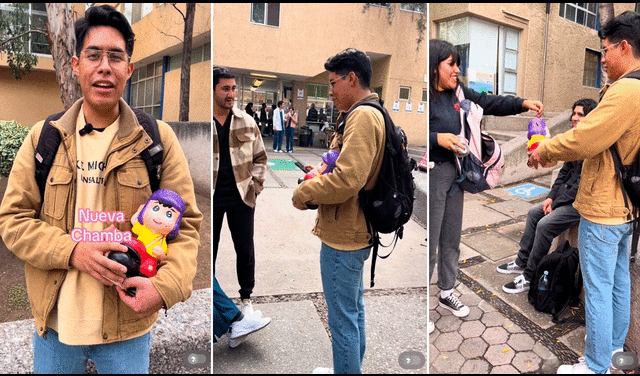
point(616, 120)
point(39, 233)
point(248, 156)
point(340, 223)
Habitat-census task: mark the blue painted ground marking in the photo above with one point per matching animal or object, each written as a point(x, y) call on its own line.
point(527, 191)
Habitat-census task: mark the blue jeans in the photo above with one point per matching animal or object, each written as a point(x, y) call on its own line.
point(342, 283)
point(52, 356)
point(277, 140)
point(224, 310)
point(290, 133)
point(604, 260)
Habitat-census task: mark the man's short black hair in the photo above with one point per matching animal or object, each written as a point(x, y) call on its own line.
point(625, 26)
point(104, 15)
point(351, 60)
point(220, 73)
point(587, 104)
point(280, 103)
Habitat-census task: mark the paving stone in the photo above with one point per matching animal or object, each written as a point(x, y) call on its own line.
point(448, 341)
point(521, 342)
point(449, 362)
point(495, 335)
point(493, 319)
point(511, 327)
point(543, 352)
point(448, 324)
point(486, 307)
point(473, 348)
point(526, 361)
point(470, 299)
point(506, 369)
point(550, 366)
point(475, 313)
point(499, 355)
point(475, 367)
point(471, 329)
point(433, 353)
point(434, 315)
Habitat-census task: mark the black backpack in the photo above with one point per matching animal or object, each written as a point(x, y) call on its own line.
point(565, 281)
point(50, 139)
point(389, 204)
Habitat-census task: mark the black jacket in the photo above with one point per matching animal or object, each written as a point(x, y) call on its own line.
point(565, 188)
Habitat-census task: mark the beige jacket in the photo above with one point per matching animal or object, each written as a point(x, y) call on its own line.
point(340, 223)
point(248, 156)
point(38, 233)
point(616, 120)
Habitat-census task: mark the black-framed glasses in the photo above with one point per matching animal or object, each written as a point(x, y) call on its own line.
point(94, 56)
point(333, 83)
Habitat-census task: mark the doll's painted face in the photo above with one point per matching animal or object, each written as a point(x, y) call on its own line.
point(160, 218)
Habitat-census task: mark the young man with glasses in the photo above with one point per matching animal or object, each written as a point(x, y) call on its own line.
point(605, 231)
point(346, 242)
point(76, 293)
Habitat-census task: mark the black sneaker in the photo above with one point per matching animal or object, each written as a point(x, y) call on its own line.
point(510, 267)
point(454, 305)
point(519, 284)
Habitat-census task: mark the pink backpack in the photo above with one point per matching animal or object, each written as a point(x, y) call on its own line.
point(482, 167)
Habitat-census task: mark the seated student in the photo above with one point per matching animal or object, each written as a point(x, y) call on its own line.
point(228, 319)
point(550, 218)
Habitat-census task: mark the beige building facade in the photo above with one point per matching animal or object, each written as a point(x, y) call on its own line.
point(278, 52)
point(155, 84)
point(548, 52)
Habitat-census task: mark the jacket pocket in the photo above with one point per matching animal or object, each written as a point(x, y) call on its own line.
point(244, 146)
point(57, 190)
point(133, 186)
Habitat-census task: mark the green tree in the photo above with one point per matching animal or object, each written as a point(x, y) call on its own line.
point(16, 34)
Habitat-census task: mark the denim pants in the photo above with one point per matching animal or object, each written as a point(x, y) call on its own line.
point(539, 232)
point(277, 140)
point(289, 132)
point(52, 356)
point(342, 283)
point(604, 261)
point(446, 201)
point(225, 311)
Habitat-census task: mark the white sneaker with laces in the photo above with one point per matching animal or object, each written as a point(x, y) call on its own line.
point(431, 327)
point(510, 267)
point(519, 284)
point(579, 368)
point(248, 325)
point(323, 371)
point(247, 308)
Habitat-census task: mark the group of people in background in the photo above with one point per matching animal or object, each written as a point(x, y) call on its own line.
point(277, 122)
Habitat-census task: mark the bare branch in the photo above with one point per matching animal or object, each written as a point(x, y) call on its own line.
point(184, 18)
point(2, 43)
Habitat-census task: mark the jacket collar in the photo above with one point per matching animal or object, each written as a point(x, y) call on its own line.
point(128, 120)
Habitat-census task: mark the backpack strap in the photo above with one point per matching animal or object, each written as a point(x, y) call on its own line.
point(152, 155)
point(46, 150)
point(50, 140)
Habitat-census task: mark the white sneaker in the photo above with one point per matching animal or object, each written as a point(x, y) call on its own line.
point(279, 151)
point(579, 368)
point(323, 371)
point(519, 284)
point(431, 327)
point(275, 151)
point(248, 325)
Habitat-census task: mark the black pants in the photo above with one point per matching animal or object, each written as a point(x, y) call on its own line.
point(240, 220)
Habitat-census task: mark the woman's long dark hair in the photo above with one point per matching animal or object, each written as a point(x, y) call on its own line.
point(439, 51)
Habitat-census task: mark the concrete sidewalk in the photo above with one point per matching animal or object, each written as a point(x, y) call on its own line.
point(503, 332)
point(289, 289)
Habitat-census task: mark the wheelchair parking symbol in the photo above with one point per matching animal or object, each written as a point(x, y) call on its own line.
point(527, 191)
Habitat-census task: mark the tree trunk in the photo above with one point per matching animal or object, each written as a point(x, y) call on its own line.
point(185, 75)
point(62, 39)
point(605, 13)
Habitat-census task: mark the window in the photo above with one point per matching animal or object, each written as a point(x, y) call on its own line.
point(405, 93)
point(384, 5)
point(146, 89)
point(424, 95)
point(592, 69)
point(198, 55)
point(134, 12)
point(581, 13)
point(509, 60)
point(637, 8)
point(318, 91)
point(413, 7)
point(35, 19)
point(265, 13)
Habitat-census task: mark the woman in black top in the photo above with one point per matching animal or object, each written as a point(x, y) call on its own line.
point(445, 196)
